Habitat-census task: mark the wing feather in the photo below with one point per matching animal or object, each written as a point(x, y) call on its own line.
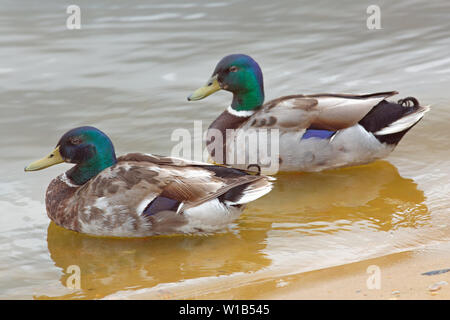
point(318, 111)
point(138, 179)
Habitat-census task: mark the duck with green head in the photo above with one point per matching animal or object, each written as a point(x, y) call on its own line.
point(316, 131)
point(139, 195)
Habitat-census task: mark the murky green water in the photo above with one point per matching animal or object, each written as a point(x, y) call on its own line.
point(128, 71)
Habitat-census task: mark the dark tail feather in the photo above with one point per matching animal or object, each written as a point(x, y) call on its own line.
point(390, 121)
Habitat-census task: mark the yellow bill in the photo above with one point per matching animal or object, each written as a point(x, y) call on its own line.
point(53, 158)
point(211, 87)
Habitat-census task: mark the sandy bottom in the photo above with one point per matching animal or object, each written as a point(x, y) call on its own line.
point(400, 278)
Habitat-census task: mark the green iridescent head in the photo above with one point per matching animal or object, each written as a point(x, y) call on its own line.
point(239, 74)
point(87, 147)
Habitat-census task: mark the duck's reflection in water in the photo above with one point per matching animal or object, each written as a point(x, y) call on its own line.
point(109, 265)
point(313, 203)
point(376, 193)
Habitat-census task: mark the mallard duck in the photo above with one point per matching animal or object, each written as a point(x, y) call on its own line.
point(316, 131)
point(139, 195)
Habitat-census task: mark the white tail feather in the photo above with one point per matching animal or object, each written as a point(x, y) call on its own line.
point(404, 122)
point(253, 192)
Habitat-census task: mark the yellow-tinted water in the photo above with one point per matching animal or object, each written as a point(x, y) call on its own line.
point(308, 221)
point(128, 71)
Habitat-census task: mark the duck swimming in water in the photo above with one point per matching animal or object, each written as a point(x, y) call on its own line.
point(139, 195)
point(316, 131)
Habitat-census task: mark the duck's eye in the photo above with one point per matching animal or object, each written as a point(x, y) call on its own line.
point(233, 69)
point(75, 141)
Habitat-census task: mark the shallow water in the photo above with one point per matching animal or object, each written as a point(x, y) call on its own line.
point(129, 70)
